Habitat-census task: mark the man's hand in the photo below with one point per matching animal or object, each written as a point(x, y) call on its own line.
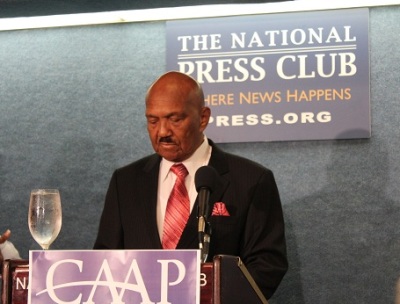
point(4, 237)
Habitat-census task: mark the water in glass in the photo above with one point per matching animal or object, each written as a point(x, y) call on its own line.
point(45, 216)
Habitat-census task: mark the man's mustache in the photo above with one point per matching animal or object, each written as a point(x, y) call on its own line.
point(166, 139)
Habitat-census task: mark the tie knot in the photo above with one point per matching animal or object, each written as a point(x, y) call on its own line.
point(180, 170)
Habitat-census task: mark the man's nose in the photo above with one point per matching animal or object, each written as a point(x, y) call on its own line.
point(164, 129)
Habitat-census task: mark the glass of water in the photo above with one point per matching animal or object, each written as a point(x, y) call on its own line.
point(45, 216)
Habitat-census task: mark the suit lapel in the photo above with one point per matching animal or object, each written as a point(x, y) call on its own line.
point(149, 195)
point(219, 163)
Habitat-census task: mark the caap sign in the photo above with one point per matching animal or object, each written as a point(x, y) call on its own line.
point(114, 276)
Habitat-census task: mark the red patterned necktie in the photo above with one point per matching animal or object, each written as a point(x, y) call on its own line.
point(178, 209)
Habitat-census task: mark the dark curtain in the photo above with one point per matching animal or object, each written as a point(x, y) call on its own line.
point(26, 8)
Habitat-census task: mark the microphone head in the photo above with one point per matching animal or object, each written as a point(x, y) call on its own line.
point(205, 177)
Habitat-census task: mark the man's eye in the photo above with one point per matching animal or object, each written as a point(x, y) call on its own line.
point(175, 119)
point(151, 121)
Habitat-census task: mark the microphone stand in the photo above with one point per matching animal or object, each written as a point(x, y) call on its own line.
point(204, 238)
point(203, 228)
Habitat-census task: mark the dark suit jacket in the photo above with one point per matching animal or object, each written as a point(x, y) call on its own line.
point(254, 230)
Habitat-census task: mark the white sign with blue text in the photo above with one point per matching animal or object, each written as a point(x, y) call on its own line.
point(114, 276)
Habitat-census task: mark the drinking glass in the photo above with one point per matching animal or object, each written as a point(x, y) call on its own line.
point(45, 216)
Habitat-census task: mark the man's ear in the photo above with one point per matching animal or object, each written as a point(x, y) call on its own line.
point(205, 117)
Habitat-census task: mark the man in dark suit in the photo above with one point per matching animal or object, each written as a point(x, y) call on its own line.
point(247, 218)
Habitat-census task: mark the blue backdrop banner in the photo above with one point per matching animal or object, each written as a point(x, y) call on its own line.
point(276, 77)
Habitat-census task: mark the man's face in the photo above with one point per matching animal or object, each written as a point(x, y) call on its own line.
point(175, 125)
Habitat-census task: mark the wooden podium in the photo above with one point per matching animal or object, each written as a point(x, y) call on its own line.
point(227, 281)
point(15, 277)
point(223, 281)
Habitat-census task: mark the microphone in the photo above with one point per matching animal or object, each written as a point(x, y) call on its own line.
point(205, 180)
